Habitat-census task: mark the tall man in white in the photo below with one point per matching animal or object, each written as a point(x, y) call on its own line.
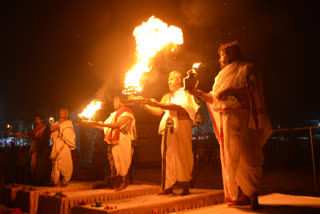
point(179, 108)
point(63, 141)
point(241, 125)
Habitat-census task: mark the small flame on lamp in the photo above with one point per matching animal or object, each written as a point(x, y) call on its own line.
point(196, 65)
point(51, 120)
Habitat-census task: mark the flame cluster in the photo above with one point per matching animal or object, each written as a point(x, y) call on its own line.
point(151, 37)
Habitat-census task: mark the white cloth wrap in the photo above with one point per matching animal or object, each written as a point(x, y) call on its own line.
point(179, 155)
point(63, 141)
point(122, 152)
point(241, 143)
point(186, 101)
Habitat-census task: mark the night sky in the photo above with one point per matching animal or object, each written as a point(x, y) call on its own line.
point(59, 53)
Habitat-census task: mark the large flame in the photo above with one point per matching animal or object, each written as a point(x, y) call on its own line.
point(151, 37)
point(89, 111)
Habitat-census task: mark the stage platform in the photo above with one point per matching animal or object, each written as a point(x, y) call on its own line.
point(8, 193)
point(272, 203)
point(51, 204)
point(154, 203)
point(26, 197)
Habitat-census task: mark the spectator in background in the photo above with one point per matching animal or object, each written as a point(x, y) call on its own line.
point(63, 141)
point(39, 151)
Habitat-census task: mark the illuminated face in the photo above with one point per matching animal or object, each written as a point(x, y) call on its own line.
point(37, 120)
point(174, 82)
point(116, 103)
point(224, 59)
point(62, 115)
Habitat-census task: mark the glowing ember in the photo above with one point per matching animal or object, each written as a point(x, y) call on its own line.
point(51, 120)
point(196, 65)
point(151, 37)
point(89, 111)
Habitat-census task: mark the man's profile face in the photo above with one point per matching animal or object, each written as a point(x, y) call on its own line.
point(116, 103)
point(224, 60)
point(37, 120)
point(62, 115)
point(174, 82)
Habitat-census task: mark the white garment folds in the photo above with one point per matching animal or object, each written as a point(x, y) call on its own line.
point(241, 130)
point(122, 152)
point(179, 155)
point(63, 141)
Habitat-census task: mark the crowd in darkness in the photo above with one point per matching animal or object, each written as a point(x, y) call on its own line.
point(14, 164)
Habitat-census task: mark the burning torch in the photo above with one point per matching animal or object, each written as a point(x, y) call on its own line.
point(151, 37)
point(90, 110)
point(9, 127)
point(191, 81)
point(51, 120)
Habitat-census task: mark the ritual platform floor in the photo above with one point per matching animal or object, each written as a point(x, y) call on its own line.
point(272, 203)
point(208, 176)
point(155, 203)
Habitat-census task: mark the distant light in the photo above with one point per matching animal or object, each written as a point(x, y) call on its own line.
point(51, 120)
point(318, 124)
point(8, 126)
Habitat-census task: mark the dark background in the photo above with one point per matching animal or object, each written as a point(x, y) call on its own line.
point(60, 53)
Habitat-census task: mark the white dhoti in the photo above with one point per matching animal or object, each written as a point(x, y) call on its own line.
point(178, 155)
point(242, 127)
point(63, 143)
point(63, 167)
point(241, 154)
point(122, 154)
point(176, 147)
point(122, 147)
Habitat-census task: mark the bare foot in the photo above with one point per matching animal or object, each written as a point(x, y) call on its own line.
point(121, 186)
point(63, 184)
point(166, 191)
point(185, 192)
point(243, 201)
point(255, 204)
point(186, 188)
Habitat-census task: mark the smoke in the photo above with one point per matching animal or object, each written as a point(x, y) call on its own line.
point(202, 13)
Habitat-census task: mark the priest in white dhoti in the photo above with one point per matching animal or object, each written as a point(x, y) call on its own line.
point(63, 141)
point(178, 109)
point(119, 132)
point(241, 124)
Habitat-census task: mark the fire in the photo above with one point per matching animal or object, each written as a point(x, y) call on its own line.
point(89, 111)
point(151, 37)
point(196, 65)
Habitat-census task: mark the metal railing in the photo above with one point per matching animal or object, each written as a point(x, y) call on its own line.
point(315, 182)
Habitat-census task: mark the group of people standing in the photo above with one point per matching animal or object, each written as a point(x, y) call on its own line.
point(51, 167)
point(239, 119)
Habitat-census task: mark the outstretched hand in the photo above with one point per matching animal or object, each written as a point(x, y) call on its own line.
point(55, 127)
point(150, 102)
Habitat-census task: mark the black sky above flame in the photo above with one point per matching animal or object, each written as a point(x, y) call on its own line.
point(59, 53)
